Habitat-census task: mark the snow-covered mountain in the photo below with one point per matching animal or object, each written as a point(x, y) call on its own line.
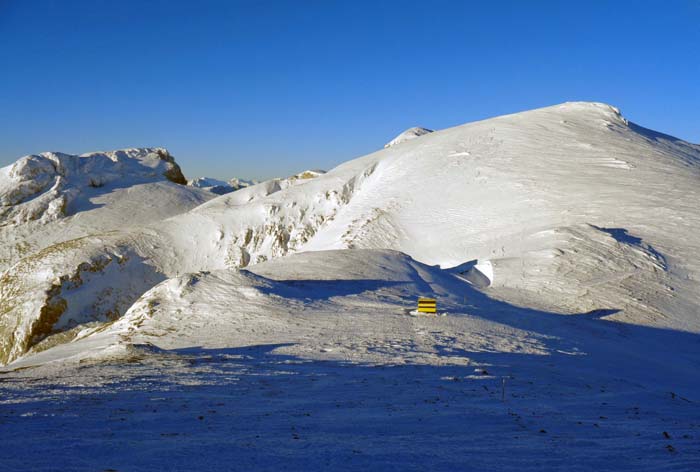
point(206, 182)
point(53, 200)
point(54, 197)
point(237, 183)
point(220, 187)
point(49, 186)
point(569, 209)
point(562, 245)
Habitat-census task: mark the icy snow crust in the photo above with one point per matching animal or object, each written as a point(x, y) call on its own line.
point(246, 319)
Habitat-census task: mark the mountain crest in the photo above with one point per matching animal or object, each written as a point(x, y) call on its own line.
point(410, 133)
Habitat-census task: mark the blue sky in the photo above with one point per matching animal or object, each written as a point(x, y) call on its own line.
point(266, 88)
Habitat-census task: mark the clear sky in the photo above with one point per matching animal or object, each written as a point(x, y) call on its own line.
point(267, 88)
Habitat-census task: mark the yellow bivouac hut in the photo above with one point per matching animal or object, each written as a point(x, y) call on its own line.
point(427, 305)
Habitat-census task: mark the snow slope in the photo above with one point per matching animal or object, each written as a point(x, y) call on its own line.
point(559, 201)
point(272, 326)
point(311, 361)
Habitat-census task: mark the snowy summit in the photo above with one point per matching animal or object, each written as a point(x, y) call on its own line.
point(409, 134)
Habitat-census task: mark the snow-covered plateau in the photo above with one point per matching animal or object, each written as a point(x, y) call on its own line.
point(147, 323)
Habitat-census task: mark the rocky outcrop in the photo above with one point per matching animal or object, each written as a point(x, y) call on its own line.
point(67, 285)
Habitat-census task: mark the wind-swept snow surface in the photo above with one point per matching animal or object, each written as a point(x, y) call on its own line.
point(310, 361)
point(272, 326)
